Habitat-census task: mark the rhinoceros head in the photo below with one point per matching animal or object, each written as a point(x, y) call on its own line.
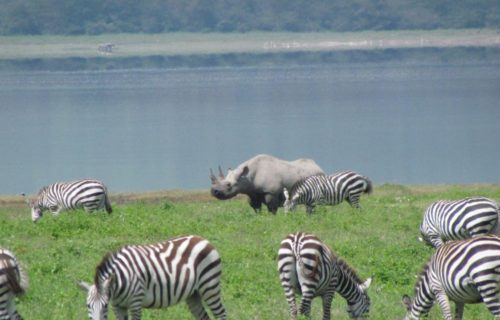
point(226, 187)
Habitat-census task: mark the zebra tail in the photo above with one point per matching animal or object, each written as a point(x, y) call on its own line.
point(302, 267)
point(107, 203)
point(17, 287)
point(369, 186)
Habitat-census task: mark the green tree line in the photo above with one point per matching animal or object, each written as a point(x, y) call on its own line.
point(70, 17)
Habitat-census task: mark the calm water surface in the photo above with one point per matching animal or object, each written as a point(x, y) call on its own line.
point(141, 130)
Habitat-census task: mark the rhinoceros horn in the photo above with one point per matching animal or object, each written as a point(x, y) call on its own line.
point(221, 174)
point(212, 176)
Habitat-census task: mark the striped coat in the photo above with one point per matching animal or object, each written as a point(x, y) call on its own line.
point(88, 194)
point(13, 282)
point(461, 219)
point(463, 271)
point(330, 190)
point(158, 276)
point(308, 266)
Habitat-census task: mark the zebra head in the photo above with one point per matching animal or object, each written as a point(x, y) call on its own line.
point(361, 307)
point(289, 204)
point(97, 298)
point(36, 208)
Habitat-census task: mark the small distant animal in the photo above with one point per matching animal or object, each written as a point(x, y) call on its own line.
point(13, 283)
point(262, 178)
point(463, 271)
point(186, 268)
point(454, 220)
point(88, 194)
point(329, 190)
point(307, 266)
point(105, 47)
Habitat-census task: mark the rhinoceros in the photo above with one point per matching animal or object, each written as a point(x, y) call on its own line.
point(262, 178)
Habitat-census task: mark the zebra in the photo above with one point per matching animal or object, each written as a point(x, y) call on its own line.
point(13, 282)
point(463, 271)
point(88, 194)
point(157, 276)
point(331, 190)
point(455, 220)
point(307, 266)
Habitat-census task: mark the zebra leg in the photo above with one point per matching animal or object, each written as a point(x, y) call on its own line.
point(305, 306)
point(121, 313)
point(353, 200)
point(212, 299)
point(459, 310)
point(290, 298)
point(489, 293)
point(196, 307)
point(309, 208)
point(327, 304)
point(444, 303)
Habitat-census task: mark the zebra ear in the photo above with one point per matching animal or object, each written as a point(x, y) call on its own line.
point(83, 285)
point(407, 302)
point(26, 199)
point(365, 285)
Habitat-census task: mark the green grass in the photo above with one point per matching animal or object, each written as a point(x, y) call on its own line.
point(380, 240)
point(136, 45)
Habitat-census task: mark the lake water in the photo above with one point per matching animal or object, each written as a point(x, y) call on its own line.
point(144, 130)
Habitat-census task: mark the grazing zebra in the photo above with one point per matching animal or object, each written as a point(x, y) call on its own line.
point(13, 282)
point(331, 190)
point(455, 220)
point(90, 195)
point(463, 271)
point(309, 267)
point(157, 276)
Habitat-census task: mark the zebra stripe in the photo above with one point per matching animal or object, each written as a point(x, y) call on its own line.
point(91, 195)
point(13, 282)
point(309, 267)
point(330, 190)
point(464, 271)
point(461, 219)
point(158, 276)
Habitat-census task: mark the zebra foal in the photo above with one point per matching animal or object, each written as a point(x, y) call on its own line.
point(13, 282)
point(91, 195)
point(461, 219)
point(330, 190)
point(157, 276)
point(463, 271)
point(307, 266)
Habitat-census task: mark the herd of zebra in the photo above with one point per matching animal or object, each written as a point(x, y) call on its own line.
point(465, 268)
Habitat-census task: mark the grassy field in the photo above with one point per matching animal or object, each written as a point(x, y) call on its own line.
point(380, 240)
point(136, 45)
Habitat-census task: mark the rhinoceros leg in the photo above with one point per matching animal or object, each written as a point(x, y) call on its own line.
point(272, 202)
point(255, 201)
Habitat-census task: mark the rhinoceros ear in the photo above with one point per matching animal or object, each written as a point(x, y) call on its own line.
point(244, 172)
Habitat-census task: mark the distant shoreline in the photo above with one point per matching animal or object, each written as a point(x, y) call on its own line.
point(182, 196)
point(178, 44)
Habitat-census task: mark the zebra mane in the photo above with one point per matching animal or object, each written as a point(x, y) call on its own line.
point(102, 266)
point(422, 274)
point(42, 190)
point(299, 183)
point(350, 272)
